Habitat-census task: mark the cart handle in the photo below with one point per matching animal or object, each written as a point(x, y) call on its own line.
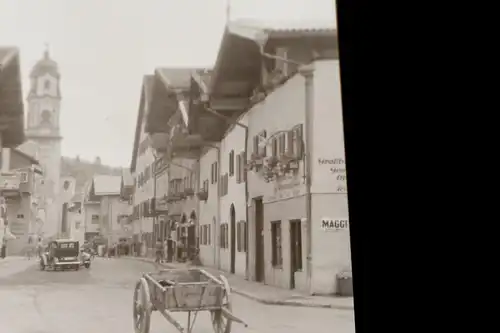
point(226, 313)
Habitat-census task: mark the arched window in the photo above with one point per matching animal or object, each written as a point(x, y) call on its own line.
point(46, 117)
point(46, 85)
point(66, 185)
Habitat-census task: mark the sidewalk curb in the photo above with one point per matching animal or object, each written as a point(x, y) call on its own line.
point(263, 300)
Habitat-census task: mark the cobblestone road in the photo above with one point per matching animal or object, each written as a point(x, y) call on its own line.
point(100, 300)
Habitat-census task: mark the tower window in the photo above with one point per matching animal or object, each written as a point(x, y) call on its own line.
point(46, 85)
point(66, 184)
point(46, 117)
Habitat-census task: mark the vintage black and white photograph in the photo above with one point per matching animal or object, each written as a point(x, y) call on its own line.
point(172, 166)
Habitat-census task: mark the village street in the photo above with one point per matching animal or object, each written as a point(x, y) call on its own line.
point(100, 300)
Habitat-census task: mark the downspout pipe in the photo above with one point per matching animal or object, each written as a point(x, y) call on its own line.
point(308, 71)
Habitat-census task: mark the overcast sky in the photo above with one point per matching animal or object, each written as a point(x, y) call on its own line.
point(103, 47)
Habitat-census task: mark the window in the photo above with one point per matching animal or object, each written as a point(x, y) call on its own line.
point(24, 177)
point(224, 237)
point(277, 255)
point(46, 117)
point(238, 169)
point(205, 185)
point(241, 234)
point(231, 163)
point(95, 219)
point(20, 216)
point(46, 85)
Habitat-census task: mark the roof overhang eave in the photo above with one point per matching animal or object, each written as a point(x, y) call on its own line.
point(157, 109)
point(258, 36)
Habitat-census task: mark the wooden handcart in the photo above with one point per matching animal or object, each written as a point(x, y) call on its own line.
point(183, 290)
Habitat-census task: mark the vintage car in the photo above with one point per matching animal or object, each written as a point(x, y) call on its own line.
point(61, 254)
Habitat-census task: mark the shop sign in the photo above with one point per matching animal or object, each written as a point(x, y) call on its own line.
point(329, 224)
point(161, 205)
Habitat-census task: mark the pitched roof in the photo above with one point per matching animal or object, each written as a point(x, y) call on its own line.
point(27, 156)
point(146, 91)
point(285, 25)
point(107, 185)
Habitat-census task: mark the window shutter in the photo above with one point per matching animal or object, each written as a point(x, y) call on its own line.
point(299, 141)
point(290, 135)
point(274, 147)
point(256, 144)
point(243, 164)
point(212, 173)
point(231, 163)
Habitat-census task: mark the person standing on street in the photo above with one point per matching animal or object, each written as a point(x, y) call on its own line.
point(159, 251)
point(165, 250)
point(39, 247)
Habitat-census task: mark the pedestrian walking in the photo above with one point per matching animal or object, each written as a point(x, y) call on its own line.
point(159, 251)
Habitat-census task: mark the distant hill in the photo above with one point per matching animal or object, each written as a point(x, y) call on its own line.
point(83, 171)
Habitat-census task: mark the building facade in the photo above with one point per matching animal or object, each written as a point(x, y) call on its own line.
point(233, 205)
point(253, 155)
point(12, 132)
point(75, 218)
point(286, 239)
point(105, 204)
point(143, 158)
point(19, 175)
point(209, 207)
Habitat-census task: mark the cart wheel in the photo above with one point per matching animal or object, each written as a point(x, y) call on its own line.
point(142, 307)
point(220, 323)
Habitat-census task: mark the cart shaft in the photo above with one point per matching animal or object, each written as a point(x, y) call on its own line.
point(226, 313)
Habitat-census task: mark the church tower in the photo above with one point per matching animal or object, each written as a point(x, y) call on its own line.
point(43, 132)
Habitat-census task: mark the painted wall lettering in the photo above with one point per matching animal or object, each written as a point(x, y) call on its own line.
point(338, 171)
